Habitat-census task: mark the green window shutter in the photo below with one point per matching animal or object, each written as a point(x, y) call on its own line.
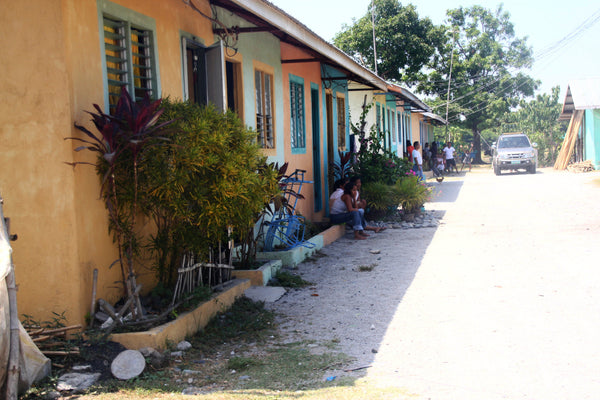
point(129, 60)
point(298, 131)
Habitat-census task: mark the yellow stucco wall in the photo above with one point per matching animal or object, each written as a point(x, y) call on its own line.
point(415, 120)
point(52, 73)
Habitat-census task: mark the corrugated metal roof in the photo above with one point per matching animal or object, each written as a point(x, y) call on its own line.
point(435, 117)
point(408, 96)
point(581, 94)
point(264, 13)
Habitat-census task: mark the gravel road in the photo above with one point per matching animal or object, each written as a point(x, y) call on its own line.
point(501, 301)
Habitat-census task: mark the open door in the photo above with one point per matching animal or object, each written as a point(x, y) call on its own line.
point(194, 71)
point(215, 76)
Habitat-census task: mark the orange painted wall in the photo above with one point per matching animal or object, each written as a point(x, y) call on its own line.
point(52, 73)
point(311, 73)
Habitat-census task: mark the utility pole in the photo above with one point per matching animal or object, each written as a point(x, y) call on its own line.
point(450, 80)
point(374, 43)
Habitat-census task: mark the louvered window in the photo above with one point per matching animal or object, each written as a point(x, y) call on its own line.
point(129, 60)
point(297, 127)
point(264, 108)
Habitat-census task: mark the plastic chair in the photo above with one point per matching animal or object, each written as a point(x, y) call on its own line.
point(286, 229)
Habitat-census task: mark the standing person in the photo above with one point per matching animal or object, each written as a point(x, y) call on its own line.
point(426, 154)
point(449, 156)
point(409, 150)
point(418, 162)
point(434, 153)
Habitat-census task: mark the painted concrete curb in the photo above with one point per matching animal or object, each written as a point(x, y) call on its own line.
point(187, 323)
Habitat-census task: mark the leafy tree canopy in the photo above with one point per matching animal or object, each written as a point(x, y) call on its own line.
point(539, 119)
point(487, 63)
point(405, 42)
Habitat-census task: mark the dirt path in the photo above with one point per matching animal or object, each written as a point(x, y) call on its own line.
point(501, 301)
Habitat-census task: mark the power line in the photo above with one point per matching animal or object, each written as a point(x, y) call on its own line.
point(547, 52)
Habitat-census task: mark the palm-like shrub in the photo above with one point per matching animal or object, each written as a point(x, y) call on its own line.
point(381, 199)
point(121, 140)
point(411, 193)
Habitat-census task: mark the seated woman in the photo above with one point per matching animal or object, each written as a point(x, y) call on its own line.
point(344, 210)
point(338, 192)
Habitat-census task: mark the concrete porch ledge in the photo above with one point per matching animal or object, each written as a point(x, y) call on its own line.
point(293, 257)
point(260, 276)
point(187, 323)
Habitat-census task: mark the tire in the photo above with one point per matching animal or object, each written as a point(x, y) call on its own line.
point(532, 169)
point(496, 170)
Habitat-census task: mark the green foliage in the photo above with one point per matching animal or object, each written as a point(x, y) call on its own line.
point(373, 162)
point(243, 363)
point(199, 295)
point(121, 141)
point(538, 118)
point(405, 42)
point(412, 193)
point(487, 63)
point(209, 177)
point(286, 279)
point(245, 319)
point(380, 197)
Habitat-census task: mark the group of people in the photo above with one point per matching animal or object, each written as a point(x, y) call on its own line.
point(438, 161)
point(346, 206)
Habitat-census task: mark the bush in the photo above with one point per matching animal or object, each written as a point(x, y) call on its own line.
point(372, 161)
point(209, 179)
point(411, 193)
point(381, 199)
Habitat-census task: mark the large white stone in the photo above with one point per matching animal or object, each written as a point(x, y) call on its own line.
point(128, 364)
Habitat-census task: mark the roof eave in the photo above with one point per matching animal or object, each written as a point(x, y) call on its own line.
point(287, 24)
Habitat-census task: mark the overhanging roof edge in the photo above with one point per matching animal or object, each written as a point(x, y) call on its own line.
point(293, 27)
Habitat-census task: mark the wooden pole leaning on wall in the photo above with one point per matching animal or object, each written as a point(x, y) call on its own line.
point(566, 151)
point(13, 370)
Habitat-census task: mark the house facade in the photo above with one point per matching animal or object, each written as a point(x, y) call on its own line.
point(396, 114)
point(77, 53)
point(284, 81)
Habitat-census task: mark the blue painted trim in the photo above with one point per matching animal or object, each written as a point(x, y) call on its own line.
point(300, 81)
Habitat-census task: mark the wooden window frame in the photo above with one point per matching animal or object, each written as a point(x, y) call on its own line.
point(265, 130)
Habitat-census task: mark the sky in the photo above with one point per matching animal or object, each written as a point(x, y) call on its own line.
point(545, 23)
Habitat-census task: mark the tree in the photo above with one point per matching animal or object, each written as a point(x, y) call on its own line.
point(405, 42)
point(539, 119)
point(487, 62)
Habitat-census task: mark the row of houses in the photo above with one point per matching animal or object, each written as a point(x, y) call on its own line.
point(59, 57)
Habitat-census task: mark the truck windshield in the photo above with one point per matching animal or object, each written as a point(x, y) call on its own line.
point(513, 142)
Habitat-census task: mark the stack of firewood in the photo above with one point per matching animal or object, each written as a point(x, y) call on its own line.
point(53, 342)
point(584, 166)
